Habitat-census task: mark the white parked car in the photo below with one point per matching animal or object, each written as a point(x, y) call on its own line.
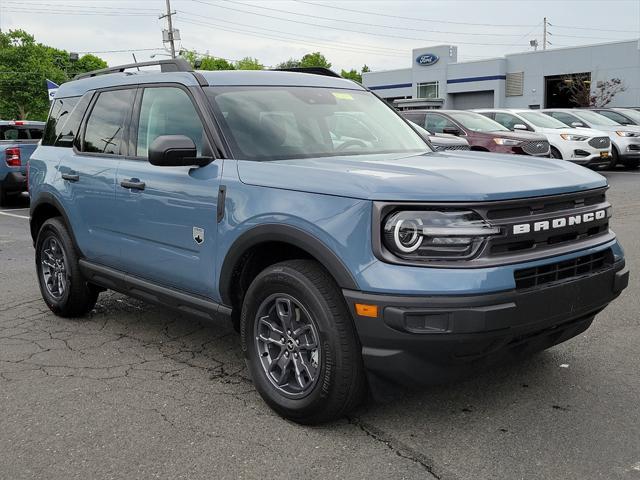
point(625, 140)
point(588, 147)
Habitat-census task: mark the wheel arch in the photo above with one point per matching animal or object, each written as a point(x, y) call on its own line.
point(47, 206)
point(283, 242)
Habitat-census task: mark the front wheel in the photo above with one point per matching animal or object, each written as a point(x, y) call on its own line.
point(300, 343)
point(555, 153)
point(63, 288)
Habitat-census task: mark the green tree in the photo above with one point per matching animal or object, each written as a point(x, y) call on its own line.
point(353, 74)
point(205, 62)
point(248, 63)
point(315, 59)
point(24, 67)
point(291, 63)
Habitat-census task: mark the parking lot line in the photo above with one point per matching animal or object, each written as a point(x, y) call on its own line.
point(13, 215)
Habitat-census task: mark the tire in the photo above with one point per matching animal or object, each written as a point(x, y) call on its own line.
point(63, 288)
point(3, 197)
point(338, 383)
point(614, 158)
point(555, 153)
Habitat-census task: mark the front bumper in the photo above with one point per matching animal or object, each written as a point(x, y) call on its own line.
point(421, 340)
point(14, 182)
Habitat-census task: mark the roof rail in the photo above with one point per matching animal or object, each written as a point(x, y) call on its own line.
point(312, 70)
point(166, 65)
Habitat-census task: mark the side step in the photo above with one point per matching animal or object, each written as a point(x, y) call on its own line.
point(151, 292)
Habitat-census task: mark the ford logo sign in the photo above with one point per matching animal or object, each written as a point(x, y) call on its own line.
point(427, 59)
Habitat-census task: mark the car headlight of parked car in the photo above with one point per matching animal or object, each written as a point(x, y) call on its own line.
point(507, 141)
point(622, 133)
point(436, 234)
point(574, 138)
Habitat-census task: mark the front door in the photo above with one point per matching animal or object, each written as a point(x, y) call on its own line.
point(168, 214)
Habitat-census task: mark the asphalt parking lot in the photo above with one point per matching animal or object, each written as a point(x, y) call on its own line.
point(136, 391)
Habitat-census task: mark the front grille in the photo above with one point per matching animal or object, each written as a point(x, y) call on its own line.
point(562, 271)
point(599, 142)
point(535, 148)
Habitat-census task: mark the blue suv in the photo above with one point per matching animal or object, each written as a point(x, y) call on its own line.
point(350, 256)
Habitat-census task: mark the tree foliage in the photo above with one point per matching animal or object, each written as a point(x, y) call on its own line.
point(605, 91)
point(315, 59)
point(353, 74)
point(582, 94)
point(24, 67)
point(248, 63)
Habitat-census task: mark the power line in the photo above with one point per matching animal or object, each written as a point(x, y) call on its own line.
point(285, 39)
point(368, 24)
point(372, 48)
point(82, 7)
point(262, 15)
point(417, 19)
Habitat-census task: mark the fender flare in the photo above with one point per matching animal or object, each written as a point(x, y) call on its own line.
point(286, 234)
point(46, 198)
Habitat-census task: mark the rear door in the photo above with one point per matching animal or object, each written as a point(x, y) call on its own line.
point(88, 174)
point(167, 215)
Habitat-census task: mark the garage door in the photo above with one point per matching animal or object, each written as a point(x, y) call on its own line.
point(463, 101)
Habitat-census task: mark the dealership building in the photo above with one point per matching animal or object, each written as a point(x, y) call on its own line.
point(535, 79)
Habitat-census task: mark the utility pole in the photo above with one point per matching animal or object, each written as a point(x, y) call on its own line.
point(169, 37)
point(544, 35)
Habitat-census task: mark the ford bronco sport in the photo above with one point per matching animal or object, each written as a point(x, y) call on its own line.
point(346, 263)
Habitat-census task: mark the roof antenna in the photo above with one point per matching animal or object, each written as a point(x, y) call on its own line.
point(135, 60)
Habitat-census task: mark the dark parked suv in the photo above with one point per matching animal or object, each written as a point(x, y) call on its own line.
point(482, 133)
point(349, 255)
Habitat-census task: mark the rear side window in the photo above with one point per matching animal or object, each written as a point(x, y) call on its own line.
point(417, 118)
point(104, 130)
point(58, 116)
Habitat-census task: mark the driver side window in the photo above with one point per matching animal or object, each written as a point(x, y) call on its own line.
point(437, 123)
point(167, 111)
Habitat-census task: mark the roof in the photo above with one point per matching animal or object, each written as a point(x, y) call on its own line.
point(213, 78)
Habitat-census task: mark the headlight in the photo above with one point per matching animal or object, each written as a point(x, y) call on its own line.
point(507, 141)
point(622, 133)
point(574, 138)
point(436, 234)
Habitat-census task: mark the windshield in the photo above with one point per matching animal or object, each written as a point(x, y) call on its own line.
point(633, 115)
point(541, 120)
point(272, 123)
point(594, 118)
point(477, 122)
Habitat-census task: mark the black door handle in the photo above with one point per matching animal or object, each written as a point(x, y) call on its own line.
point(132, 183)
point(71, 177)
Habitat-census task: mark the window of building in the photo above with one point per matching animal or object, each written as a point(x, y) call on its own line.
point(428, 90)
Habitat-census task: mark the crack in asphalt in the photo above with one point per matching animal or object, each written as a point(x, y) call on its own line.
point(396, 446)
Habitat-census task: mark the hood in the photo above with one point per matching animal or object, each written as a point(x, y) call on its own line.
point(519, 135)
point(438, 176)
point(613, 128)
point(589, 132)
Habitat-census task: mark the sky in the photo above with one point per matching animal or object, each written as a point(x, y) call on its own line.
point(350, 33)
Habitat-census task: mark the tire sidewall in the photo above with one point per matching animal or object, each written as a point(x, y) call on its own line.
point(288, 281)
point(48, 230)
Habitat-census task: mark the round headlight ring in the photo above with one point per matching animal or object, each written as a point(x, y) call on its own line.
point(408, 241)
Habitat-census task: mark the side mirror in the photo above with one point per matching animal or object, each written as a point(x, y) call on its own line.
point(577, 124)
point(175, 151)
point(520, 126)
point(451, 131)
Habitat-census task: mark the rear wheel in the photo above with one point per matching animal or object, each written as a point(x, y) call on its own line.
point(63, 288)
point(3, 197)
point(300, 343)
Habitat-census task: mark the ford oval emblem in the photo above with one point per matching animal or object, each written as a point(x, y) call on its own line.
point(427, 59)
